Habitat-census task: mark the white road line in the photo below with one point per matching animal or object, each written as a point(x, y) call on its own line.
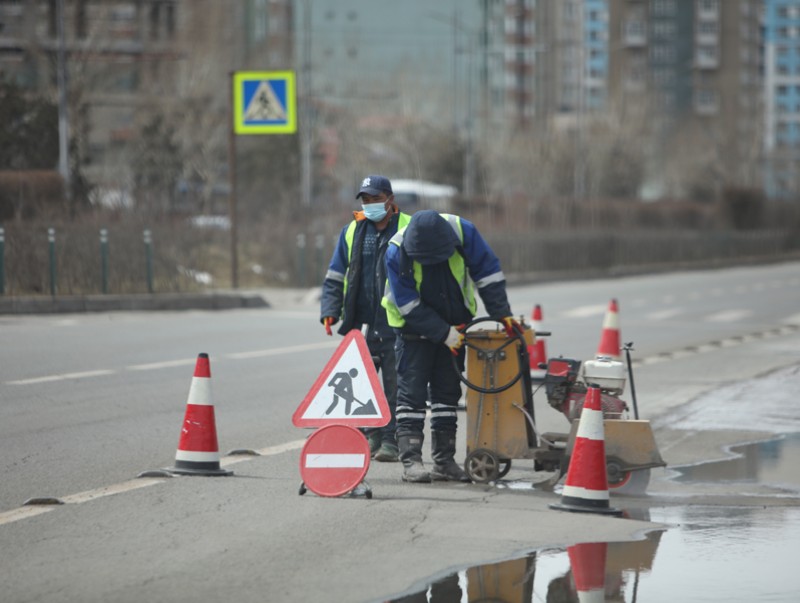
point(287, 350)
point(61, 377)
point(160, 365)
point(585, 311)
point(183, 362)
point(26, 512)
point(23, 513)
point(82, 497)
point(728, 315)
point(663, 314)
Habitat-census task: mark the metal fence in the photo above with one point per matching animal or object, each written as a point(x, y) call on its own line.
point(168, 258)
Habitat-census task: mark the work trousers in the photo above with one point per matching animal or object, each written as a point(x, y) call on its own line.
point(382, 351)
point(425, 371)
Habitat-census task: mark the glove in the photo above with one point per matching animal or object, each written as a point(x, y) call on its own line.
point(328, 321)
point(454, 340)
point(512, 326)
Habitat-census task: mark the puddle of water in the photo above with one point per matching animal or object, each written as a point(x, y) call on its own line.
point(709, 554)
point(771, 462)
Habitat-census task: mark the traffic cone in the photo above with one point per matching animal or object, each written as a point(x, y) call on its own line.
point(586, 486)
point(609, 338)
point(536, 352)
point(198, 452)
point(588, 563)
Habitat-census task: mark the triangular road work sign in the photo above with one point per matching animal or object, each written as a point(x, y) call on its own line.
point(347, 391)
point(264, 105)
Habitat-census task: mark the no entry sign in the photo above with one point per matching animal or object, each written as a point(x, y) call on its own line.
point(334, 460)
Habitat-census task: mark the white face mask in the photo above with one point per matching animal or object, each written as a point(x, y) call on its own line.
point(374, 211)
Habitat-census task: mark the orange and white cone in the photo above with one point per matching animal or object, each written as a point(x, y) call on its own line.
point(586, 486)
point(536, 353)
point(610, 338)
point(198, 451)
point(588, 563)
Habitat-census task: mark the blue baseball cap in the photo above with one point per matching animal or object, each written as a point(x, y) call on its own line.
point(375, 185)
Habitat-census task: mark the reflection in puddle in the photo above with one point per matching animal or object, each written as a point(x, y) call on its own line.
point(708, 553)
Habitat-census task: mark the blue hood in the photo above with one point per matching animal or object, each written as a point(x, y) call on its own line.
point(429, 238)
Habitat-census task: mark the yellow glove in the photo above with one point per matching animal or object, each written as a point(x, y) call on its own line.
point(513, 329)
point(454, 340)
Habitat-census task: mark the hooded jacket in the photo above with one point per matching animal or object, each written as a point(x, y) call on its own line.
point(431, 267)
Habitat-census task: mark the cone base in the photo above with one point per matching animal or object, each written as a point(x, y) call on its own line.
point(210, 471)
point(585, 509)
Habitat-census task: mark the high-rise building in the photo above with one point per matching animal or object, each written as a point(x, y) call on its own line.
point(782, 98)
point(694, 64)
point(556, 61)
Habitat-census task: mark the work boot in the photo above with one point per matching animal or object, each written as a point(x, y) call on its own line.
point(410, 447)
point(374, 439)
point(387, 453)
point(443, 447)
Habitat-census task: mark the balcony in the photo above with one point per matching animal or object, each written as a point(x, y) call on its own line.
point(634, 34)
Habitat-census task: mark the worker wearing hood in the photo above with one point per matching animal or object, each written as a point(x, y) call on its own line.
point(433, 268)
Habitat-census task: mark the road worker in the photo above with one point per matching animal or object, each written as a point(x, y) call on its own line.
point(353, 288)
point(433, 267)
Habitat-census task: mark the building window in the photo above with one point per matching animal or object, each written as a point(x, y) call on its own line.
point(663, 54)
point(663, 7)
point(705, 101)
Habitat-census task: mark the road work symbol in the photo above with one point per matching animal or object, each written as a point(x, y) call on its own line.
point(347, 391)
point(342, 384)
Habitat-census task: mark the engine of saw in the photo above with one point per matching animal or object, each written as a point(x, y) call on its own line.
point(566, 382)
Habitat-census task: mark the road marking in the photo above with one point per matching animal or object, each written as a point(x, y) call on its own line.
point(176, 363)
point(585, 311)
point(61, 377)
point(26, 512)
point(22, 513)
point(664, 314)
point(286, 350)
point(160, 365)
point(728, 315)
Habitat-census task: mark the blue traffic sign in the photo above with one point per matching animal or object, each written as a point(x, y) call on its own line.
point(264, 102)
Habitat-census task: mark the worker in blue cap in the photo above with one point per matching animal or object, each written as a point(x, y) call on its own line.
point(353, 288)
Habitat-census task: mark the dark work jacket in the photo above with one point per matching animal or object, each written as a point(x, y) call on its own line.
point(346, 267)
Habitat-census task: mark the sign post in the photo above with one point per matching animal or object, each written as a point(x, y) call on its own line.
point(261, 102)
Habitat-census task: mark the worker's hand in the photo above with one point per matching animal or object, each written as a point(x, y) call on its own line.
point(328, 321)
point(454, 339)
point(513, 329)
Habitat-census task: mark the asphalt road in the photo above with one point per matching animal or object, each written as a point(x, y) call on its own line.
point(88, 401)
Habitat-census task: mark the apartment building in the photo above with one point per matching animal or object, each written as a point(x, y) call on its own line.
point(782, 98)
point(694, 64)
point(129, 60)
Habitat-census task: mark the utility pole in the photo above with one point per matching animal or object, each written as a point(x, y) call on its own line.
point(305, 104)
point(63, 119)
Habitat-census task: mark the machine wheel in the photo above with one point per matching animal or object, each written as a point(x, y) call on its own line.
point(627, 482)
point(505, 467)
point(483, 466)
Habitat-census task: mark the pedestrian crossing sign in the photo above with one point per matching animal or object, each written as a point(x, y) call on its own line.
point(264, 102)
point(347, 391)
